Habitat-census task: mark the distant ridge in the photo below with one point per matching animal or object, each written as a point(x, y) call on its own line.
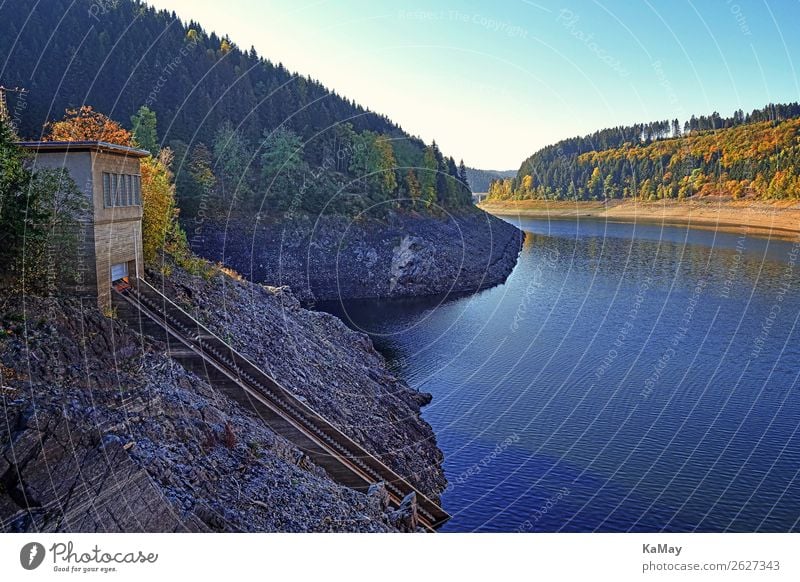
point(479, 180)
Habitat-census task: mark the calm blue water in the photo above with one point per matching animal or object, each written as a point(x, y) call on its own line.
point(625, 378)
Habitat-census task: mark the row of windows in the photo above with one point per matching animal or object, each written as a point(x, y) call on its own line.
point(121, 190)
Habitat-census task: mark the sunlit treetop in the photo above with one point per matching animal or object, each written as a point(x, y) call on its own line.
point(85, 124)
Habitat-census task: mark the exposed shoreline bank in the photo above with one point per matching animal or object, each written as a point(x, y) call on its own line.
point(335, 258)
point(778, 219)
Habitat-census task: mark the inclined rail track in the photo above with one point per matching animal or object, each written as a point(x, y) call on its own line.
point(346, 461)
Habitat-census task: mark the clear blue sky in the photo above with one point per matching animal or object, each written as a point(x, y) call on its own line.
point(493, 81)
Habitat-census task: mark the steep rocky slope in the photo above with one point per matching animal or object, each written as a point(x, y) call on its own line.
point(102, 432)
point(334, 369)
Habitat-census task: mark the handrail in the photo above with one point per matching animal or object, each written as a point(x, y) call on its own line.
point(302, 416)
point(282, 391)
point(226, 368)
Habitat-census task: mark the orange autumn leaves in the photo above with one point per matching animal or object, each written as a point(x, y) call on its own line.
point(159, 212)
point(85, 124)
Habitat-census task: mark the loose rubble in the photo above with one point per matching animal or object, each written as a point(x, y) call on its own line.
point(103, 432)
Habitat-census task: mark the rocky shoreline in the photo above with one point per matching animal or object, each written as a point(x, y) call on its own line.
point(103, 432)
point(332, 257)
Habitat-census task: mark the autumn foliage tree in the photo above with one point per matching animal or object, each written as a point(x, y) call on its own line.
point(745, 157)
point(160, 214)
point(86, 124)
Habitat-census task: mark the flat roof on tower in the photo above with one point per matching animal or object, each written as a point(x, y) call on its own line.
point(82, 146)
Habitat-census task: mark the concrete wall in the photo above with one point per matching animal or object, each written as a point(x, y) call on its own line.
point(79, 165)
point(107, 235)
point(117, 230)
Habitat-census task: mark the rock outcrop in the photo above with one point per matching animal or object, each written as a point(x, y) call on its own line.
point(56, 476)
point(331, 257)
point(406, 517)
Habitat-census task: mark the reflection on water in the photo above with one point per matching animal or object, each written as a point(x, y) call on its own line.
point(625, 377)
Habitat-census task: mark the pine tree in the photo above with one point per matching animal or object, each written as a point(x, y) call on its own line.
point(429, 172)
point(282, 168)
point(232, 159)
point(462, 174)
point(385, 178)
point(144, 130)
point(412, 187)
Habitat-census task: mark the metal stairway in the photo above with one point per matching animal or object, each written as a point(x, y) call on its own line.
point(201, 351)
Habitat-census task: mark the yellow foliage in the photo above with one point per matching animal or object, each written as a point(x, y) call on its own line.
point(735, 144)
point(527, 183)
point(159, 220)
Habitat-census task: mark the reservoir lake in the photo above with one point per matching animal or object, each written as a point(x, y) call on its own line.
point(626, 377)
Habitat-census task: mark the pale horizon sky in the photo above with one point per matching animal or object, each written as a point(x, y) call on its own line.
point(493, 82)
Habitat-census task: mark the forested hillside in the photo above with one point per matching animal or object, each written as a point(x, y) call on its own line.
point(756, 154)
point(479, 180)
point(246, 133)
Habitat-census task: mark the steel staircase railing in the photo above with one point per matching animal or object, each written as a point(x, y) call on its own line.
point(193, 335)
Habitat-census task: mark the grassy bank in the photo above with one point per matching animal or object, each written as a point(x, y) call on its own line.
point(775, 219)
